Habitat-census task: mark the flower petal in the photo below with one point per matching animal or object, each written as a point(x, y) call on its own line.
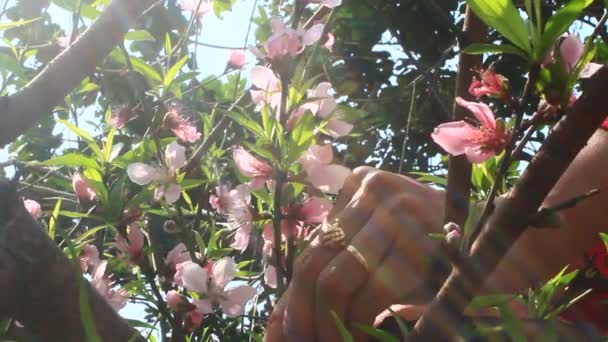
point(270, 277)
point(313, 34)
point(315, 209)
point(571, 49)
point(328, 178)
point(175, 155)
point(143, 174)
point(234, 305)
point(454, 136)
point(482, 112)
point(177, 255)
point(241, 238)
point(264, 79)
point(203, 306)
point(224, 271)
point(338, 128)
point(194, 277)
point(476, 155)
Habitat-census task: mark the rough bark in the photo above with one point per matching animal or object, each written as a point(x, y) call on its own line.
point(40, 285)
point(38, 98)
point(510, 220)
point(459, 168)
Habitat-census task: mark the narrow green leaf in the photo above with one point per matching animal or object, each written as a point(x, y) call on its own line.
point(140, 36)
point(72, 159)
point(346, 335)
point(172, 72)
point(17, 23)
point(513, 325)
point(248, 123)
point(559, 23)
point(504, 17)
point(86, 314)
point(53, 219)
point(478, 49)
point(107, 149)
point(378, 334)
point(85, 136)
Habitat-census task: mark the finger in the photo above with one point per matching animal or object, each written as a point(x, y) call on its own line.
point(350, 187)
point(299, 319)
point(348, 272)
point(402, 271)
point(274, 327)
point(299, 309)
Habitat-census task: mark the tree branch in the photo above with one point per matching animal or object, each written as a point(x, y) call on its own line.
point(40, 286)
point(511, 219)
point(38, 98)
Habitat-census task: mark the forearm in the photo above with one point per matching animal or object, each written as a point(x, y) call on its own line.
point(541, 253)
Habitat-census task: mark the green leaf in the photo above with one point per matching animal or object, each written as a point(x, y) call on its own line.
point(85, 136)
point(377, 334)
point(248, 123)
point(170, 76)
point(188, 184)
point(513, 325)
point(86, 314)
point(72, 159)
point(17, 23)
point(559, 23)
point(53, 219)
point(140, 36)
point(90, 232)
point(304, 130)
point(107, 148)
point(478, 49)
point(504, 17)
point(346, 335)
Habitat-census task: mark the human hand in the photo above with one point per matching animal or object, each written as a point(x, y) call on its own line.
point(386, 220)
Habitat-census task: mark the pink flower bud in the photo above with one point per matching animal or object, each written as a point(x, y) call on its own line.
point(174, 300)
point(33, 208)
point(237, 59)
point(83, 190)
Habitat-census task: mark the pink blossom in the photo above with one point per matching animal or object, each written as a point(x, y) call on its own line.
point(270, 276)
point(252, 167)
point(178, 303)
point(324, 108)
point(268, 86)
point(211, 287)
point(105, 287)
point(83, 190)
point(183, 129)
point(194, 7)
point(33, 208)
point(286, 41)
point(234, 204)
point(268, 236)
point(174, 299)
point(331, 40)
point(131, 250)
point(478, 143)
point(320, 173)
point(489, 83)
point(297, 216)
point(237, 59)
point(193, 320)
point(177, 255)
point(570, 52)
point(89, 258)
point(143, 174)
point(121, 115)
